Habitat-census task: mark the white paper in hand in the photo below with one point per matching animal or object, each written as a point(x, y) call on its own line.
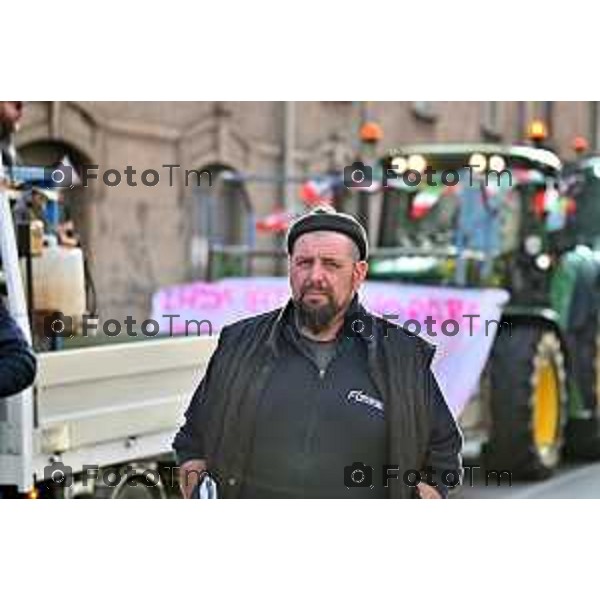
point(207, 490)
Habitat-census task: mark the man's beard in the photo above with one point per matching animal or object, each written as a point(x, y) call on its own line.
point(316, 318)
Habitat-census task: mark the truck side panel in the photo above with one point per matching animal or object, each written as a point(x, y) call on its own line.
point(114, 397)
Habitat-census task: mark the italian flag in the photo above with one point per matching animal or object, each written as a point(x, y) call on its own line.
point(316, 192)
point(275, 222)
point(423, 203)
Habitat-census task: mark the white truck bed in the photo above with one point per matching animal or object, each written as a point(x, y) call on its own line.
point(108, 404)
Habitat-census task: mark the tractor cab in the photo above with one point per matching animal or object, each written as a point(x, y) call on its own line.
point(471, 215)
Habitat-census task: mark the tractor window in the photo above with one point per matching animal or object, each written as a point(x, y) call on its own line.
point(419, 216)
point(469, 215)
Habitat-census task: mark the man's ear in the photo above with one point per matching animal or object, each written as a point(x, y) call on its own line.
point(361, 269)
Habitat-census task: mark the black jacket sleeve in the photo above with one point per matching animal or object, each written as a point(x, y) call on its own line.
point(17, 361)
point(189, 441)
point(445, 443)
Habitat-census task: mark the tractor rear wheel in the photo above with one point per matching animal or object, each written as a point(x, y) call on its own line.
point(527, 402)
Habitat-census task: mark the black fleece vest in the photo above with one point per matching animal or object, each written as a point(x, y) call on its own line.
point(398, 365)
point(314, 423)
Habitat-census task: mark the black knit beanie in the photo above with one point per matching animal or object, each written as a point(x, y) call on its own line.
point(325, 218)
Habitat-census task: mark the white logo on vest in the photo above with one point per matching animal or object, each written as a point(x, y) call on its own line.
point(360, 396)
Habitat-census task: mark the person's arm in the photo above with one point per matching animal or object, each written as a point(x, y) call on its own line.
point(17, 361)
point(189, 442)
point(445, 445)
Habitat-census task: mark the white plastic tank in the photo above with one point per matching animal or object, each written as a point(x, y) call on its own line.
point(59, 281)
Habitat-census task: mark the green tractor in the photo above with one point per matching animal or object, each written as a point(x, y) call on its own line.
point(490, 216)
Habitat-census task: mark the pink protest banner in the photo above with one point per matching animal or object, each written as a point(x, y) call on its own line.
point(462, 323)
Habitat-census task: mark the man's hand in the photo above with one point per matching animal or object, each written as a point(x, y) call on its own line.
point(428, 492)
point(190, 473)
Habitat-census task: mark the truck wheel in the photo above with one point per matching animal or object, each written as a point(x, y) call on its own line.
point(138, 488)
point(527, 403)
point(138, 484)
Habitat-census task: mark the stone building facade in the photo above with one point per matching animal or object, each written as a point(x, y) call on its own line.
point(145, 237)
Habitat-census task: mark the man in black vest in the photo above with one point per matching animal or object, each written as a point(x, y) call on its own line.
point(320, 399)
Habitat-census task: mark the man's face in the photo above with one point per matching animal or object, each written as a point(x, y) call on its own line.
point(11, 113)
point(325, 273)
